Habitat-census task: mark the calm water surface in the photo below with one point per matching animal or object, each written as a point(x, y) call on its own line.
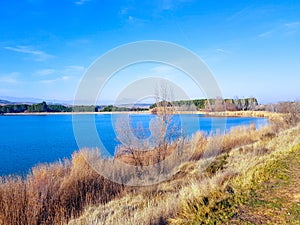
point(28, 140)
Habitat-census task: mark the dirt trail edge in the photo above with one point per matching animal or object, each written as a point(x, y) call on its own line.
point(276, 201)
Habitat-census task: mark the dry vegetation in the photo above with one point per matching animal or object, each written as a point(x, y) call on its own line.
point(53, 194)
point(204, 190)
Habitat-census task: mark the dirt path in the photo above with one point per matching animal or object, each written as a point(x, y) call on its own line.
point(276, 202)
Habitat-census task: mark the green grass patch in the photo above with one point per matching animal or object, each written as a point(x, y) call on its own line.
point(294, 212)
point(275, 203)
point(217, 164)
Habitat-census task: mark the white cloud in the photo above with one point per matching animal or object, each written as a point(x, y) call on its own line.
point(76, 68)
point(59, 79)
point(163, 69)
point(45, 72)
point(282, 29)
point(7, 80)
point(266, 34)
point(38, 55)
point(68, 73)
point(293, 25)
point(81, 2)
point(10, 78)
point(172, 4)
point(292, 28)
point(65, 77)
point(221, 50)
point(136, 21)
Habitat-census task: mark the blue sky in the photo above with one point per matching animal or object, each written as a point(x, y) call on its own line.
point(252, 47)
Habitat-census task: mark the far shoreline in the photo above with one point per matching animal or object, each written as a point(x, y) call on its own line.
point(71, 113)
point(258, 114)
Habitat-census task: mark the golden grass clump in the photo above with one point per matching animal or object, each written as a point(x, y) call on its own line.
point(54, 193)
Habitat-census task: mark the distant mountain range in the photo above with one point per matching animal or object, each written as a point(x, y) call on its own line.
point(6, 100)
point(25, 100)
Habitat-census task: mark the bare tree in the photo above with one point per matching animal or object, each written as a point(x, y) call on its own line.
point(163, 129)
point(292, 111)
point(230, 106)
point(130, 144)
point(252, 103)
point(219, 105)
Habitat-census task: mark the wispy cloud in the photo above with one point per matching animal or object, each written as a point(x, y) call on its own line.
point(136, 21)
point(75, 69)
point(172, 4)
point(266, 34)
point(282, 29)
point(37, 54)
point(81, 2)
point(293, 24)
point(10, 78)
point(239, 14)
point(59, 79)
point(128, 14)
point(221, 50)
point(136, 15)
point(44, 72)
point(292, 27)
point(7, 80)
point(65, 74)
point(163, 69)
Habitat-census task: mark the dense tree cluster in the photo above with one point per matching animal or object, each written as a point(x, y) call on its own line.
point(59, 108)
point(111, 108)
point(215, 104)
point(43, 107)
point(236, 104)
point(28, 108)
point(13, 108)
point(83, 108)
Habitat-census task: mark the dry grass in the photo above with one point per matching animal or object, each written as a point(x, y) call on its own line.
point(55, 193)
point(206, 190)
point(271, 115)
point(215, 200)
point(278, 200)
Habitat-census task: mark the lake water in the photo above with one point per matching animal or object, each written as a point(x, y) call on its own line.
point(28, 140)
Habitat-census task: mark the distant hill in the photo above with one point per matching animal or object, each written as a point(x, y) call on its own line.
point(4, 102)
point(29, 100)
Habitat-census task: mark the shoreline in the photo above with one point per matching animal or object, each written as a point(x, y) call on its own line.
point(261, 114)
point(70, 113)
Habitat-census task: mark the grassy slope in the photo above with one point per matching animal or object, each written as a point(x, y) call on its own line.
point(278, 200)
point(210, 191)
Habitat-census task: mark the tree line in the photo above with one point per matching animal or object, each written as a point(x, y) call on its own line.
point(112, 108)
point(218, 104)
point(28, 108)
point(186, 105)
point(44, 107)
